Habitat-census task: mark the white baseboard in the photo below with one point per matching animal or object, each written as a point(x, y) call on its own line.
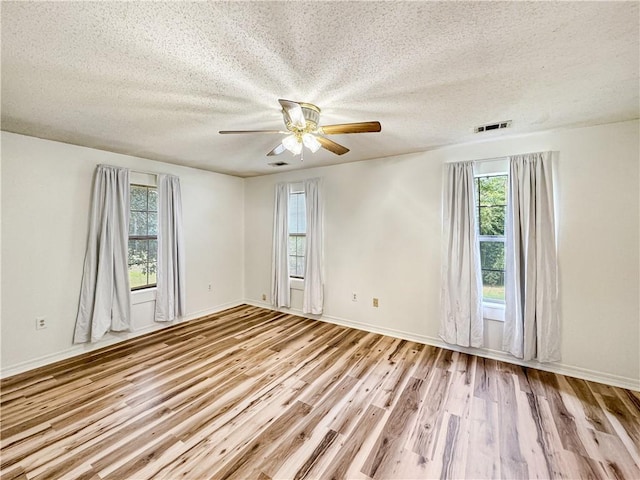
point(563, 369)
point(110, 339)
point(560, 368)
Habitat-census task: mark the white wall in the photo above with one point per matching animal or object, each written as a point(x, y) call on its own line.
point(382, 239)
point(46, 191)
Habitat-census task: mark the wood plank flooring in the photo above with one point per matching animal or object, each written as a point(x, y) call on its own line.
point(253, 394)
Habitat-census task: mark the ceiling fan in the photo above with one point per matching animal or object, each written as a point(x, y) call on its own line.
point(301, 121)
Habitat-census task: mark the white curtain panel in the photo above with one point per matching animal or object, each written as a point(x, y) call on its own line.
point(105, 295)
point(280, 295)
point(531, 328)
point(461, 293)
point(170, 292)
point(313, 268)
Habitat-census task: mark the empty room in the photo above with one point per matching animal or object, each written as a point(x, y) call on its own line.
point(320, 240)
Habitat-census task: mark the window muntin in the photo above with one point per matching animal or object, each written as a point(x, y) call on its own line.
point(491, 195)
point(297, 234)
point(143, 236)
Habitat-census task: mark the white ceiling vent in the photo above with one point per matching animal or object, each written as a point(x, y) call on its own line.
point(492, 126)
point(278, 164)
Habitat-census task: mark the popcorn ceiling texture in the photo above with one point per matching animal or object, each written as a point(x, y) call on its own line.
point(158, 80)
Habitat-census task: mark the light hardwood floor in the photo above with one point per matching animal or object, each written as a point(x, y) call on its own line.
point(253, 394)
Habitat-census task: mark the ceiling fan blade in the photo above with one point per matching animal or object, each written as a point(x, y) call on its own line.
point(332, 146)
point(225, 132)
point(276, 151)
point(360, 127)
point(293, 112)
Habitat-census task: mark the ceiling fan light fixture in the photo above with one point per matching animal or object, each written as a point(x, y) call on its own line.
point(302, 123)
point(311, 142)
point(292, 144)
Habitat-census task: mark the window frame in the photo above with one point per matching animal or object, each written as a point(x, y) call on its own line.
point(491, 309)
point(297, 257)
point(146, 238)
point(296, 189)
point(491, 238)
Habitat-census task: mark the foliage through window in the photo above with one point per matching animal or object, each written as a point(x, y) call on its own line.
point(297, 234)
point(491, 196)
point(143, 236)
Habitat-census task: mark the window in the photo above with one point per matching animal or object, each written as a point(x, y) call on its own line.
point(297, 233)
point(143, 236)
point(491, 196)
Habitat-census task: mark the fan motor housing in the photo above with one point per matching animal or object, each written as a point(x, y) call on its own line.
point(311, 114)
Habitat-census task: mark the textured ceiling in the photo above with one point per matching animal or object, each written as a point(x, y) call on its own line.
point(158, 80)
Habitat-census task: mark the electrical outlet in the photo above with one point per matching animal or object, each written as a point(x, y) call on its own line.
point(209, 287)
point(41, 323)
point(264, 297)
point(354, 297)
point(375, 302)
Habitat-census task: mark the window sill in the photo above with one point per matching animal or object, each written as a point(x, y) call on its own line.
point(493, 311)
point(143, 296)
point(296, 283)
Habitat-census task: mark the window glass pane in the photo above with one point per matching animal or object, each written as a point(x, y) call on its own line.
point(301, 244)
point(493, 285)
point(153, 251)
point(492, 255)
point(143, 254)
point(492, 190)
point(137, 275)
point(293, 228)
point(293, 213)
point(292, 245)
point(153, 200)
point(152, 264)
point(138, 198)
point(138, 223)
point(302, 214)
point(297, 245)
point(142, 262)
point(492, 261)
point(492, 199)
point(300, 267)
point(153, 223)
point(491, 220)
point(137, 252)
point(297, 223)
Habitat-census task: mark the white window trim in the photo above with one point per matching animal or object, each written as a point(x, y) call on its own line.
point(297, 187)
point(143, 295)
point(148, 294)
point(491, 168)
point(146, 179)
point(296, 283)
point(493, 311)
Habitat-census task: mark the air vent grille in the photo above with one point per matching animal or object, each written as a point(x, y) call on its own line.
point(492, 126)
point(278, 164)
